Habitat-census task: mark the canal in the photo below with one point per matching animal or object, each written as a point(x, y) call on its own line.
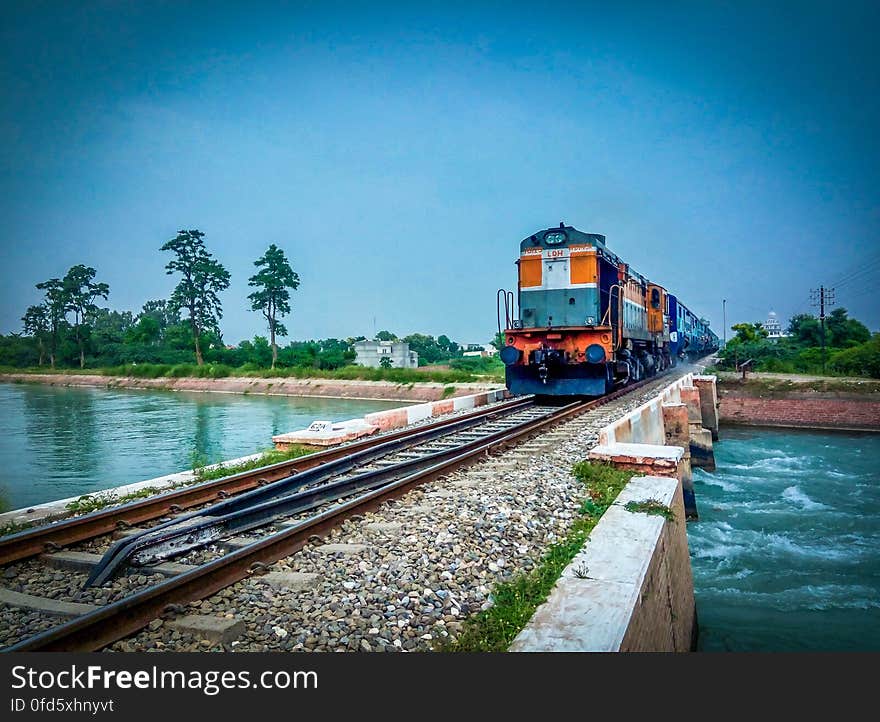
point(786, 555)
point(62, 442)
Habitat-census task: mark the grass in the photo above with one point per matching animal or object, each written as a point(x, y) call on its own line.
point(267, 458)
point(102, 499)
point(99, 500)
point(515, 600)
point(783, 385)
point(218, 371)
point(651, 506)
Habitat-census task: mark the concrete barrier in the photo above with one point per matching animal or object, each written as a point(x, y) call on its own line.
point(59, 508)
point(386, 420)
point(629, 589)
point(683, 414)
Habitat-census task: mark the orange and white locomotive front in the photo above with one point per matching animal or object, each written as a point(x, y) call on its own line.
point(562, 342)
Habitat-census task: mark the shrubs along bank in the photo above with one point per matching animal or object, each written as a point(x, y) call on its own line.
point(849, 350)
point(220, 371)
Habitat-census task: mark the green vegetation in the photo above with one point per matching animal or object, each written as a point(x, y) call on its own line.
point(12, 527)
point(102, 499)
point(267, 458)
point(202, 278)
point(180, 336)
point(217, 371)
point(851, 349)
point(93, 502)
point(272, 297)
point(652, 506)
point(99, 500)
point(783, 385)
point(516, 599)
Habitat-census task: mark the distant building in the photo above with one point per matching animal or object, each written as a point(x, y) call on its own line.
point(475, 349)
point(774, 328)
point(371, 353)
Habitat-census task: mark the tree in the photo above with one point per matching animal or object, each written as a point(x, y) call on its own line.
point(449, 346)
point(386, 336)
point(748, 332)
point(161, 311)
point(80, 293)
point(36, 324)
point(56, 308)
point(203, 278)
point(804, 330)
point(272, 297)
point(499, 341)
point(844, 332)
point(385, 362)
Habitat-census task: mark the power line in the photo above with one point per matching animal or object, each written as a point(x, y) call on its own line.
point(855, 269)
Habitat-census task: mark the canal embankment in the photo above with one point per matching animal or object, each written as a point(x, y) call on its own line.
point(86, 440)
point(274, 386)
point(790, 401)
point(630, 588)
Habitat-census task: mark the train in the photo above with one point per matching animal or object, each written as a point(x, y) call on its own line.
point(583, 323)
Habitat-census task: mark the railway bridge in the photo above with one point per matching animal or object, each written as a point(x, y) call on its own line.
point(406, 539)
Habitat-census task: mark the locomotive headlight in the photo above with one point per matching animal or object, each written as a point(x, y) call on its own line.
point(510, 355)
point(595, 353)
point(591, 321)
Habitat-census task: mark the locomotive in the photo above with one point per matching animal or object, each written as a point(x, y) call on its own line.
point(587, 323)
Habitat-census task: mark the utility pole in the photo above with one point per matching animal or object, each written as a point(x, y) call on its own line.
point(821, 298)
point(724, 315)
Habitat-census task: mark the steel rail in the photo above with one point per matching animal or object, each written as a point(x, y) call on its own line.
point(55, 535)
point(115, 621)
point(182, 535)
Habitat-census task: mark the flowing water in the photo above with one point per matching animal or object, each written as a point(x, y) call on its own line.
point(786, 555)
point(62, 442)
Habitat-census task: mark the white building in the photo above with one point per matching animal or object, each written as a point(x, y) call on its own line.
point(371, 353)
point(475, 349)
point(774, 328)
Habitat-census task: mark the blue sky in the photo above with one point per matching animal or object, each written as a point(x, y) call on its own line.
point(400, 153)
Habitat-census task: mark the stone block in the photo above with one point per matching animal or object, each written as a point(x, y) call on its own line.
point(219, 630)
point(294, 581)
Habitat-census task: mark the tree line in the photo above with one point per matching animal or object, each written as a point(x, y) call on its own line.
point(69, 315)
point(849, 347)
point(68, 328)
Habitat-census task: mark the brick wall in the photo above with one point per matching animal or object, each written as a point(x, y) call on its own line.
point(810, 410)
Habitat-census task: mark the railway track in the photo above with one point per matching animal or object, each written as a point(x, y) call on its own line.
point(279, 509)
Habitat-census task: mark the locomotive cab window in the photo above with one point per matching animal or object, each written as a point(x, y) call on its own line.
point(655, 298)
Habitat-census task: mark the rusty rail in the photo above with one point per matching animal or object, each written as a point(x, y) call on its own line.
point(104, 626)
point(32, 542)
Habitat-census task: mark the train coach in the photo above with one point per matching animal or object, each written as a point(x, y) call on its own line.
point(584, 323)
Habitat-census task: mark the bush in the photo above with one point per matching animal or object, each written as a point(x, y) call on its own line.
point(863, 360)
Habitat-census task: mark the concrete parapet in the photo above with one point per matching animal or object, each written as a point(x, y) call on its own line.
point(707, 386)
point(645, 423)
point(336, 433)
point(690, 397)
point(629, 589)
point(652, 459)
point(702, 454)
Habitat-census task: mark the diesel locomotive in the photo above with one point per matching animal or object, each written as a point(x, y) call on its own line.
point(585, 323)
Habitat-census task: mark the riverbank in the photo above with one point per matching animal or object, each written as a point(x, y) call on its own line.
point(793, 401)
point(279, 386)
